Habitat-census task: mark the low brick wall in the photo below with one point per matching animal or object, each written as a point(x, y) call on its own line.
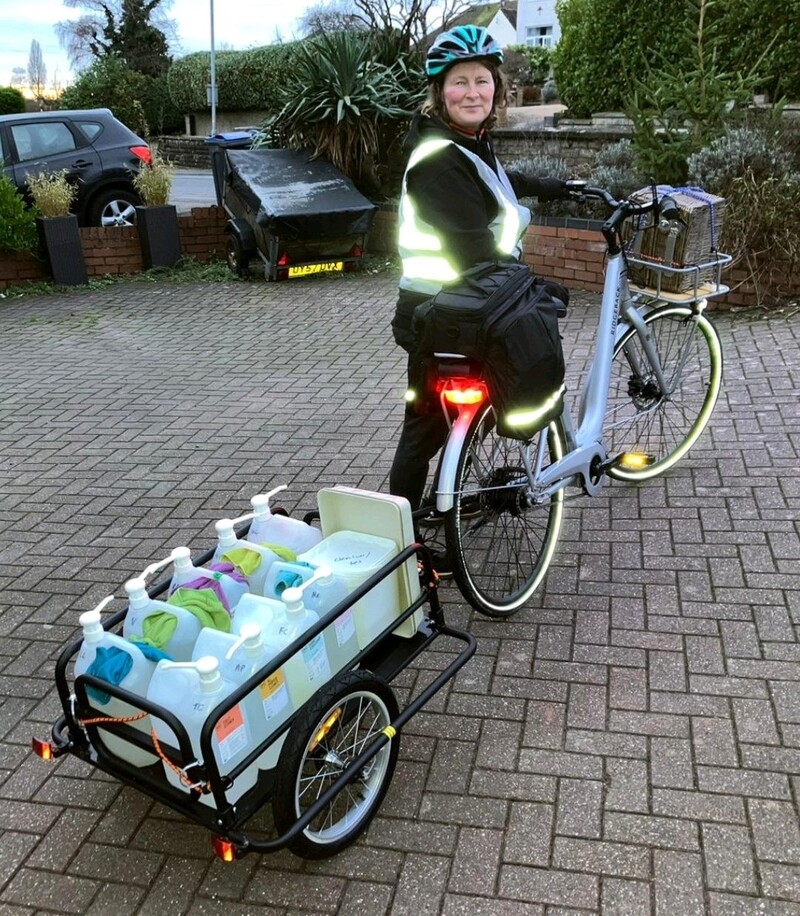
point(117, 251)
point(571, 251)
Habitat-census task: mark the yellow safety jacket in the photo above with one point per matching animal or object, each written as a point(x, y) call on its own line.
point(426, 266)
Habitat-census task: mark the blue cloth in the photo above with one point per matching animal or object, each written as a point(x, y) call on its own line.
point(289, 578)
point(151, 652)
point(110, 664)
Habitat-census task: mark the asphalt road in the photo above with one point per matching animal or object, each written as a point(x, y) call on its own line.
point(192, 188)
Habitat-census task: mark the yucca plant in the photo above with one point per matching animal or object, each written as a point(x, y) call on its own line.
point(52, 193)
point(338, 99)
point(153, 182)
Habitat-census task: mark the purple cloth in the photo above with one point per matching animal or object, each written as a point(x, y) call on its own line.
point(226, 569)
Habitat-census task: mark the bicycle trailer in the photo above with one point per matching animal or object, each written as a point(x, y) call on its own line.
point(325, 769)
point(299, 214)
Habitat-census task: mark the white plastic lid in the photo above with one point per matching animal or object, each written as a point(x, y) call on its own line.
point(293, 599)
point(225, 532)
point(260, 502)
point(249, 637)
point(182, 559)
point(208, 668)
point(136, 589)
point(92, 627)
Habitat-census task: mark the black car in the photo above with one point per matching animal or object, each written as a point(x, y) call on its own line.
point(99, 153)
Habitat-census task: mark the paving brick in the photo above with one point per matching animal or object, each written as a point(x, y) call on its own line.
point(628, 785)
point(456, 905)
point(549, 886)
point(781, 881)
point(544, 726)
point(733, 905)
point(174, 888)
point(475, 868)
point(671, 763)
point(421, 886)
point(627, 689)
point(742, 782)
point(646, 830)
point(60, 893)
point(754, 721)
point(626, 898)
point(290, 889)
point(775, 830)
point(499, 743)
point(529, 834)
point(714, 742)
point(623, 860)
point(728, 855)
point(679, 882)
point(701, 806)
point(579, 808)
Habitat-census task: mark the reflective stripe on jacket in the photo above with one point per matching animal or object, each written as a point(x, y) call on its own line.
point(426, 265)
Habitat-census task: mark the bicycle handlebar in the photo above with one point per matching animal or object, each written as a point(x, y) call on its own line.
point(665, 208)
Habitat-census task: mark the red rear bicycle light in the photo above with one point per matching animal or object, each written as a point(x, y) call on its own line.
point(464, 391)
point(143, 153)
point(224, 849)
point(284, 260)
point(42, 749)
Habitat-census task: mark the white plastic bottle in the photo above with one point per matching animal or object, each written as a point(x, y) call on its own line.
point(254, 609)
point(184, 571)
point(179, 644)
point(267, 528)
point(191, 690)
point(258, 560)
point(321, 593)
point(137, 680)
point(240, 657)
point(308, 668)
point(283, 575)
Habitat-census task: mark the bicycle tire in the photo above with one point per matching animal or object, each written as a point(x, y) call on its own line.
point(336, 724)
point(500, 542)
point(639, 418)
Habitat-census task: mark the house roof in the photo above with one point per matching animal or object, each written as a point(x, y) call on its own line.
point(479, 14)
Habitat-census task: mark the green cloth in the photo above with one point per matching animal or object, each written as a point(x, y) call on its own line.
point(205, 606)
point(157, 629)
point(247, 561)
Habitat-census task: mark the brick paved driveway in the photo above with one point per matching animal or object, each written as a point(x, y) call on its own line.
point(628, 744)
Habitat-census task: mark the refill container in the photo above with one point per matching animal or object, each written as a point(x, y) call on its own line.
point(240, 657)
point(191, 690)
point(169, 627)
point(185, 572)
point(321, 593)
point(354, 557)
point(267, 528)
point(309, 668)
point(255, 609)
point(137, 680)
point(257, 560)
point(284, 575)
point(383, 515)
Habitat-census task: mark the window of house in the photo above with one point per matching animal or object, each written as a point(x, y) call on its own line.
point(540, 36)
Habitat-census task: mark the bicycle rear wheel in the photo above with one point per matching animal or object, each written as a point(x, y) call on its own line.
point(662, 424)
point(501, 536)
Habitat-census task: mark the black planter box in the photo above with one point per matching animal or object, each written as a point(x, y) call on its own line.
point(159, 235)
point(60, 243)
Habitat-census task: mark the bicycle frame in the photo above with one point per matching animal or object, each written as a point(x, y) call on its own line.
point(585, 456)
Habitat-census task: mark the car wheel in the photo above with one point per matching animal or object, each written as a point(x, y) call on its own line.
point(114, 208)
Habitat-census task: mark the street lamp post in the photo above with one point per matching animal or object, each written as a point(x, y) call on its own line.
point(213, 87)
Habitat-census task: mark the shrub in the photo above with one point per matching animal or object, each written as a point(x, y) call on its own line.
point(141, 102)
point(616, 169)
point(53, 194)
point(544, 165)
point(12, 101)
point(17, 222)
point(549, 92)
point(761, 152)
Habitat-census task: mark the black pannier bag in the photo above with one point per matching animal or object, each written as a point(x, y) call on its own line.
point(501, 315)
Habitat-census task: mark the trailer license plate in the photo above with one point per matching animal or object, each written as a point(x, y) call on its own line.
point(304, 270)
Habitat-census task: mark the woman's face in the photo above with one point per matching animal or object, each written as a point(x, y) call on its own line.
point(468, 93)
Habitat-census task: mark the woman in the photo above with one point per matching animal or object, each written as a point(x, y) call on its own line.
point(458, 208)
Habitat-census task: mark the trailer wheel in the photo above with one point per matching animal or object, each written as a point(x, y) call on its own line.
point(238, 260)
point(342, 719)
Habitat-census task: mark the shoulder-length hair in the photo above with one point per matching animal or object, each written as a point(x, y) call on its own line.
point(434, 103)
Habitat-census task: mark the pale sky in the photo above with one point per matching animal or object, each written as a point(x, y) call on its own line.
point(238, 24)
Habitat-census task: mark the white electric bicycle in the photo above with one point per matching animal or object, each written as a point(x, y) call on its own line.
point(652, 386)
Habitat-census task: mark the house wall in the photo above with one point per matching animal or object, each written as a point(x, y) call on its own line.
point(501, 30)
point(537, 13)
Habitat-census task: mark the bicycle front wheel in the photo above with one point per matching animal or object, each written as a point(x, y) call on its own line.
point(500, 534)
point(662, 422)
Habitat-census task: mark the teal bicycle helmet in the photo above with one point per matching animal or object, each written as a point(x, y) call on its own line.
point(465, 42)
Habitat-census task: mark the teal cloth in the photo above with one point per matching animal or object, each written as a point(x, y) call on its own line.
point(110, 664)
point(290, 578)
point(151, 652)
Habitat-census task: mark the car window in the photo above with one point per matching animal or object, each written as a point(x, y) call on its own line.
point(2, 151)
point(37, 141)
point(90, 128)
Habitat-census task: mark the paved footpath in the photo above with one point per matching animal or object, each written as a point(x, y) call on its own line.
point(628, 744)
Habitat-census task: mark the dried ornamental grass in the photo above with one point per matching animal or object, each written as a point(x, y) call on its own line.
point(153, 182)
point(52, 193)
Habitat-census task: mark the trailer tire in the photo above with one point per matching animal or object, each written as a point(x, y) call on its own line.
point(238, 259)
point(336, 725)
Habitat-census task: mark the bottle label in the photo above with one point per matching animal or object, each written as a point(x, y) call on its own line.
point(231, 734)
point(345, 627)
point(316, 661)
point(274, 694)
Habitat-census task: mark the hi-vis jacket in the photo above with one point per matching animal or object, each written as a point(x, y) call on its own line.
point(426, 265)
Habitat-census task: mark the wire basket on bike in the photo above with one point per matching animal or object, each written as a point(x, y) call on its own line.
point(680, 257)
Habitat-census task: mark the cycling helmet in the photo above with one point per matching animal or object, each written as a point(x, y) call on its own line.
point(465, 42)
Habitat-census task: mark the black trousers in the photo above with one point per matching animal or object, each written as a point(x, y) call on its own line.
point(420, 439)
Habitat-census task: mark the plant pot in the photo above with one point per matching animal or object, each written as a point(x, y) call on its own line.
point(60, 242)
point(159, 235)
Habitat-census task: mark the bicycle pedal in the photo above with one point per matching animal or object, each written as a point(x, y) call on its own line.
point(633, 461)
